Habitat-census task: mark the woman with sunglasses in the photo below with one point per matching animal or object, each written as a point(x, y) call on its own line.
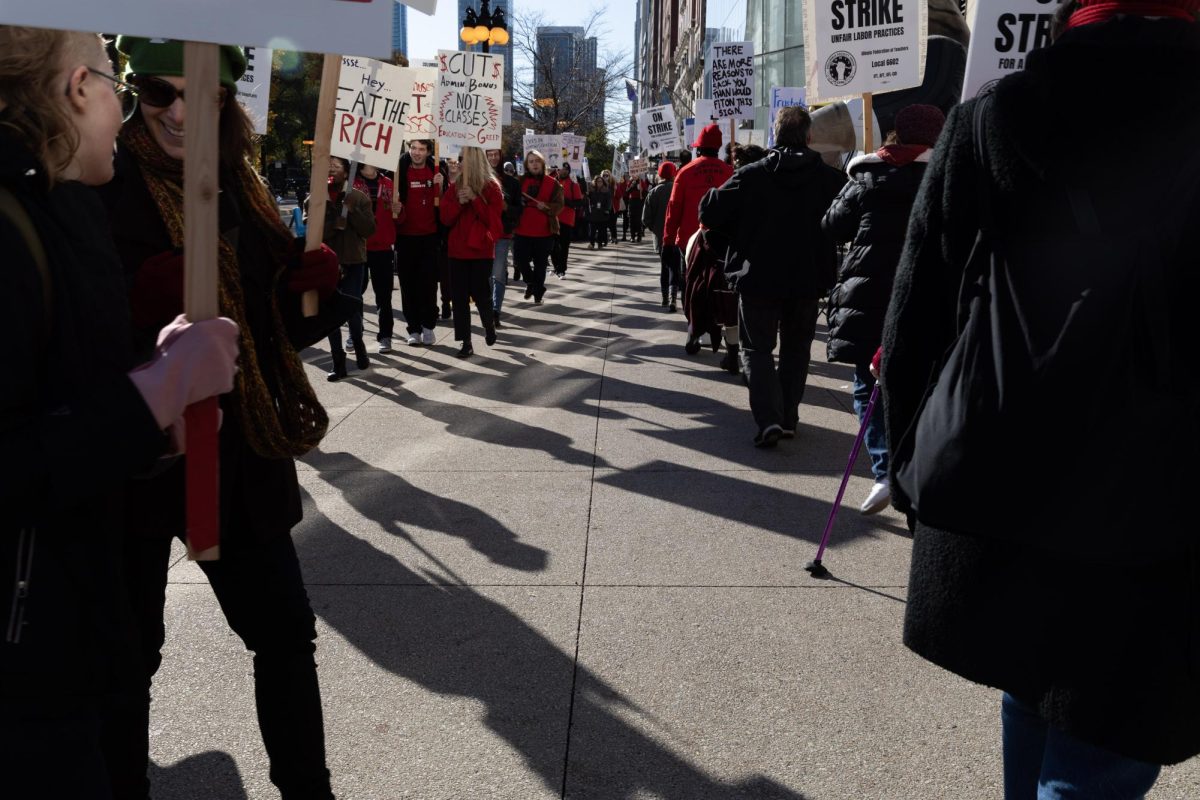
point(77, 416)
point(271, 417)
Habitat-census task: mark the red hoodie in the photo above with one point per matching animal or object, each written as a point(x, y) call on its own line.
point(419, 217)
point(571, 193)
point(385, 232)
point(691, 184)
point(475, 227)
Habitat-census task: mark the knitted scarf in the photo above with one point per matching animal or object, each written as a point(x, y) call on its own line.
point(291, 421)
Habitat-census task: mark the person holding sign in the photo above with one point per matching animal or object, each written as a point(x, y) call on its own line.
point(272, 417)
point(418, 188)
point(567, 218)
point(349, 224)
point(536, 232)
point(471, 210)
point(381, 259)
point(78, 416)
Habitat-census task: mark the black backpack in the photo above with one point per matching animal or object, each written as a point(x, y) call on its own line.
point(1058, 418)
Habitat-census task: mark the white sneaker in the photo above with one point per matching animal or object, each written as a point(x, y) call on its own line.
point(426, 336)
point(385, 345)
point(414, 339)
point(878, 498)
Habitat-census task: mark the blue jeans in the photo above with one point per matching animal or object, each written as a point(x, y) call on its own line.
point(876, 438)
point(1047, 764)
point(353, 281)
point(500, 272)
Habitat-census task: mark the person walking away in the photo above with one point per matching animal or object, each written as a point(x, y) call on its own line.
point(620, 208)
point(349, 223)
point(535, 234)
point(692, 182)
point(566, 220)
point(509, 218)
point(418, 183)
point(872, 213)
point(472, 210)
point(654, 215)
point(600, 203)
point(270, 418)
point(771, 210)
point(1097, 253)
point(635, 199)
point(381, 257)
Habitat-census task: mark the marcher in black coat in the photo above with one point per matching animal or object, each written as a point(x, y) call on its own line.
point(1105, 654)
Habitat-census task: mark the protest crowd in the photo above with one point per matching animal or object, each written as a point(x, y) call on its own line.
point(1000, 277)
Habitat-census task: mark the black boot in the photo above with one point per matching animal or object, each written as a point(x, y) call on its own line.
point(672, 306)
point(731, 363)
point(714, 341)
point(361, 359)
point(664, 304)
point(339, 366)
point(692, 345)
point(467, 351)
point(489, 336)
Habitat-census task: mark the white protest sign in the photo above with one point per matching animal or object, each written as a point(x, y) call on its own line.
point(254, 87)
point(470, 98)
point(782, 97)
point(852, 47)
point(638, 167)
point(573, 148)
point(420, 120)
point(657, 130)
point(689, 132)
point(312, 26)
point(705, 113)
point(756, 137)
point(548, 146)
point(369, 117)
point(733, 84)
point(1003, 32)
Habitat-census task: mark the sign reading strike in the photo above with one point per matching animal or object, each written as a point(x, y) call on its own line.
point(1003, 33)
point(371, 111)
point(657, 130)
point(254, 87)
point(733, 85)
point(470, 98)
point(852, 47)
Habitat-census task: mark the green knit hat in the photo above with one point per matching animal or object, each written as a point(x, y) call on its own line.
point(165, 57)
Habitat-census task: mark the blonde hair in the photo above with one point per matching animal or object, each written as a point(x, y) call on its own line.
point(476, 171)
point(31, 65)
point(535, 154)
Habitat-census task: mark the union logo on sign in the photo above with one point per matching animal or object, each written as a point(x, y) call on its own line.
point(840, 68)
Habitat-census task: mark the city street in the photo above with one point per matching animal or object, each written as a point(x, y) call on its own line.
point(560, 569)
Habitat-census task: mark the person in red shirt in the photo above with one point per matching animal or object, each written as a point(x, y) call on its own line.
point(619, 210)
point(534, 238)
point(471, 211)
point(381, 260)
point(692, 182)
point(572, 197)
point(418, 185)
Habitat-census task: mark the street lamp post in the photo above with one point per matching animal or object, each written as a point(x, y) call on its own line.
point(484, 27)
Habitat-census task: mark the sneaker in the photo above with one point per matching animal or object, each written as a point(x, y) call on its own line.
point(789, 433)
point(426, 336)
point(878, 498)
point(414, 339)
point(467, 351)
point(385, 345)
point(769, 436)
point(349, 343)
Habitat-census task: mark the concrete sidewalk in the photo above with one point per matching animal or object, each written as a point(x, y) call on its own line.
point(560, 569)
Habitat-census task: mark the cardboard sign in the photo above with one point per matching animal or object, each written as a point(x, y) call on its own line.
point(420, 120)
point(372, 108)
point(1003, 33)
point(254, 88)
point(782, 97)
point(548, 146)
point(733, 84)
point(470, 98)
point(311, 26)
point(657, 130)
point(852, 47)
point(638, 167)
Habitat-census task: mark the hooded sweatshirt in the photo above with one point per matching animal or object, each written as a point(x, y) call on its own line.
point(691, 184)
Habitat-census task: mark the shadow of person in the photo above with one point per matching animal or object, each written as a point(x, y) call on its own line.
point(454, 641)
point(211, 774)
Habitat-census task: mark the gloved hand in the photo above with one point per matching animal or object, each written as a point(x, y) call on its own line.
point(314, 270)
point(157, 293)
point(193, 361)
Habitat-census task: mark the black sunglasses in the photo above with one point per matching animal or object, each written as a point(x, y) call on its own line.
point(156, 92)
point(126, 94)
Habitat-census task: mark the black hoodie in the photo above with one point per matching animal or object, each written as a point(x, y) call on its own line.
point(772, 211)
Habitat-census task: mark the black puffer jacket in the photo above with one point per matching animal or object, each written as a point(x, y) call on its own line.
point(1108, 652)
point(872, 213)
point(772, 211)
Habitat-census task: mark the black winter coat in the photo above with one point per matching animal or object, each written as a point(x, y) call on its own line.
point(772, 212)
point(1108, 653)
point(514, 204)
point(654, 214)
point(872, 213)
point(73, 429)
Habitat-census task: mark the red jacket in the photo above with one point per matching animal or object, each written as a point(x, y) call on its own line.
point(419, 217)
point(475, 227)
point(636, 190)
point(618, 195)
point(571, 194)
point(385, 232)
point(535, 223)
point(691, 184)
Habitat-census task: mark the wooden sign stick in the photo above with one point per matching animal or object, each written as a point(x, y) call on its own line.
point(201, 63)
point(868, 123)
point(318, 193)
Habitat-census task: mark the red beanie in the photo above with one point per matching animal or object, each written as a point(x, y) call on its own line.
point(1092, 11)
point(667, 170)
point(920, 124)
point(709, 138)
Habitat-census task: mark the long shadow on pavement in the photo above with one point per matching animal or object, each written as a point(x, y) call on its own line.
point(210, 774)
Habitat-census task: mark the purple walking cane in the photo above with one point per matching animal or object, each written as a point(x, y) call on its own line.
point(815, 567)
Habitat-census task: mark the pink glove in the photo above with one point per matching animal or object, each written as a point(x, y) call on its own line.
point(194, 360)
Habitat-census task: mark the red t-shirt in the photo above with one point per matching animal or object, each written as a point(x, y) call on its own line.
point(419, 217)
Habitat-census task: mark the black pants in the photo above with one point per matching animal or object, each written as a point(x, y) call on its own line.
point(261, 592)
point(416, 261)
point(562, 249)
point(472, 280)
point(51, 753)
point(775, 396)
point(599, 233)
point(670, 270)
point(531, 256)
point(612, 225)
point(381, 264)
point(635, 218)
point(443, 262)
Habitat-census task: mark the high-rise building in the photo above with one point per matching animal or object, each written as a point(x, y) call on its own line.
point(504, 50)
point(567, 67)
point(400, 29)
